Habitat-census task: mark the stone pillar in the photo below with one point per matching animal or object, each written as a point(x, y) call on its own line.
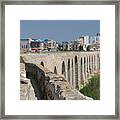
point(83, 74)
point(59, 68)
point(86, 68)
point(78, 73)
point(66, 72)
point(64, 69)
point(73, 73)
point(81, 71)
point(93, 64)
point(99, 62)
point(90, 63)
point(96, 63)
point(88, 71)
point(70, 73)
point(98, 67)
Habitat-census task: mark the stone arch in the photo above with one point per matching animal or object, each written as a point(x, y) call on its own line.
point(55, 70)
point(68, 70)
point(76, 72)
point(63, 69)
point(42, 63)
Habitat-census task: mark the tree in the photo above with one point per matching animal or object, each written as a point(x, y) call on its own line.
point(92, 89)
point(60, 47)
point(88, 47)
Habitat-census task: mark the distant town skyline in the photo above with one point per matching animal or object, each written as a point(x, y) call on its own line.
point(59, 30)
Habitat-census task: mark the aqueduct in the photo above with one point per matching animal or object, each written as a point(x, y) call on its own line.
point(75, 67)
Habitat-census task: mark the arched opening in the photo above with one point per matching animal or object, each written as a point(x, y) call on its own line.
point(63, 69)
point(76, 72)
point(94, 63)
point(42, 63)
point(55, 70)
point(72, 73)
point(90, 65)
point(68, 69)
point(98, 61)
point(81, 71)
point(87, 64)
point(85, 67)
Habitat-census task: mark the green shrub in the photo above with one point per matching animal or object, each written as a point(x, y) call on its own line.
point(92, 89)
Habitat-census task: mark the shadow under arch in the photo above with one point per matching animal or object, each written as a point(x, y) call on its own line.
point(63, 69)
point(81, 70)
point(55, 70)
point(72, 72)
point(76, 73)
point(85, 67)
point(68, 70)
point(94, 62)
point(98, 61)
point(42, 63)
point(89, 67)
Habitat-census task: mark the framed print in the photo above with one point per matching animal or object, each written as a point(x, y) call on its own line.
point(60, 59)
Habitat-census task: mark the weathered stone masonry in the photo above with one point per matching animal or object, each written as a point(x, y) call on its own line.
point(26, 88)
point(51, 86)
point(68, 69)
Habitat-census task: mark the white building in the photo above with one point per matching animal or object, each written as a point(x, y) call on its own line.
point(86, 40)
point(98, 38)
point(65, 45)
point(24, 45)
point(51, 44)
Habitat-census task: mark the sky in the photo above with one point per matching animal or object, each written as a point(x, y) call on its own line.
point(59, 30)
